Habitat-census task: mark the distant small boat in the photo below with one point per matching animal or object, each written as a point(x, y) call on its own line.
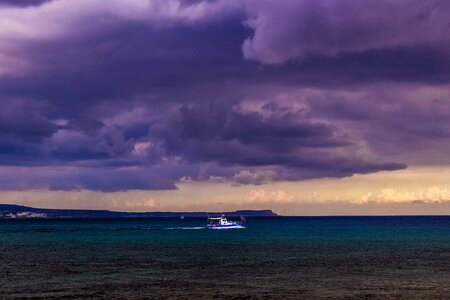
point(181, 217)
point(223, 223)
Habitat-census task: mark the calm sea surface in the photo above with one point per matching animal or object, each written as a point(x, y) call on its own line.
point(273, 258)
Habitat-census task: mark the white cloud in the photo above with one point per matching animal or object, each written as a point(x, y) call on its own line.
point(394, 195)
point(141, 149)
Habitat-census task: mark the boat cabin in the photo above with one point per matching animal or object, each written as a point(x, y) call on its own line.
point(217, 221)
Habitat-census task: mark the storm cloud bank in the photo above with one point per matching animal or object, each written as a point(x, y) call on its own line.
point(117, 95)
point(294, 29)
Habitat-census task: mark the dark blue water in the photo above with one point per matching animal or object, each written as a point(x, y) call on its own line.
point(273, 258)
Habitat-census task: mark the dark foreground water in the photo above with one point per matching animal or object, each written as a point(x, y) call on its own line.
point(280, 258)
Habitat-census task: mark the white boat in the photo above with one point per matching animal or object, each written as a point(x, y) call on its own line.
point(222, 223)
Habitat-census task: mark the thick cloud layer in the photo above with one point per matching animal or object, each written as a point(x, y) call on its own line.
point(117, 95)
point(276, 138)
point(294, 29)
point(23, 3)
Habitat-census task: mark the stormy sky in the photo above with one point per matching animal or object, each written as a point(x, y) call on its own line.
point(124, 95)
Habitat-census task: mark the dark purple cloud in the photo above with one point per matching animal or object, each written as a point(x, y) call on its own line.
point(394, 119)
point(74, 178)
point(23, 3)
point(26, 120)
point(286, 140)
point(295, 29)
point(139, 95)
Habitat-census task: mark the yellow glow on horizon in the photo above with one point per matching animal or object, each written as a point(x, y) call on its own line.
point(418, 190)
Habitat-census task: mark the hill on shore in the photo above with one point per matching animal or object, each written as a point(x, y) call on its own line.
point(19, 211)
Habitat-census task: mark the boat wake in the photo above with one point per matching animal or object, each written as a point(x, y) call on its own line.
point(55, 230)
point(183, 228)
point(159, 228)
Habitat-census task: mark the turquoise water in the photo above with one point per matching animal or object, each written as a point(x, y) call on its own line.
point(289, 257)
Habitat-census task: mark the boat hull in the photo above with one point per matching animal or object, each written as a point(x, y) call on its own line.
point(234, 226)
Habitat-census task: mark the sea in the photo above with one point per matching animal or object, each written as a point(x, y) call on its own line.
point(272, 258)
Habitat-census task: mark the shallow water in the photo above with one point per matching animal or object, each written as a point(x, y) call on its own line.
point(290, 257)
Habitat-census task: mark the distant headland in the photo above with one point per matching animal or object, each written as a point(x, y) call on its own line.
point(10, 211)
